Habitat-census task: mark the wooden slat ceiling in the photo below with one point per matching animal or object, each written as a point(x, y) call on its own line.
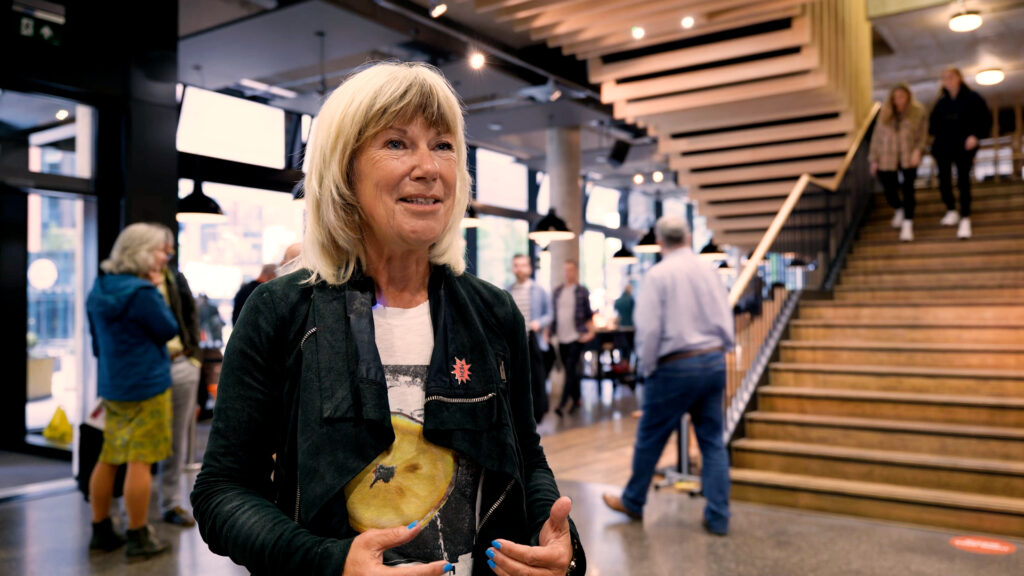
point(743, 103)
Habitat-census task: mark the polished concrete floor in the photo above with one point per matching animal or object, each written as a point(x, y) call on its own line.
point(50, 535)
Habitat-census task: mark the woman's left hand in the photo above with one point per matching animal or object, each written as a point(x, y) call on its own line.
point(971, 143)
point(915, 158)
point(550, 557)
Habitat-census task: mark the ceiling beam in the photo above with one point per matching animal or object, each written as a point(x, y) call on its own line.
point(806, 59)
point(756, 173)
point(797, 35)
point(752, 137)
point(770, 109)
point(836, 145)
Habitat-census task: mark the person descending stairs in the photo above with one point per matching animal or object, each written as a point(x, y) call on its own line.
point(902, 398)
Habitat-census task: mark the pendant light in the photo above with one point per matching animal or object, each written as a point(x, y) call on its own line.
point(624, 256)
point(710, 251)
point(550, 228)
point(199, 208)
point(470, 220)
point(648, 244)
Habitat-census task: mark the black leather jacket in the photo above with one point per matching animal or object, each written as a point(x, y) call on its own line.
point(302, 380)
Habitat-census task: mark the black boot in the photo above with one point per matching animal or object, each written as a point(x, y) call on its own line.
point(104, 537)
point(143, 543)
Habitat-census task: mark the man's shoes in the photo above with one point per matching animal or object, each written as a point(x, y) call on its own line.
point(907, 231)
point(615, 503)
point(708, 529)
point(179, 517)
point(950, 219)
point(104, 537)
point(963, 232)
point(143, 543)
point(559, 411)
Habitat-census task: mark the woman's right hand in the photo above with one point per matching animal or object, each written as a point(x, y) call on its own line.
point(366, 555)
point(874, 168)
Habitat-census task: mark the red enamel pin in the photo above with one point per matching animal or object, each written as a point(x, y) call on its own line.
point(461, 371)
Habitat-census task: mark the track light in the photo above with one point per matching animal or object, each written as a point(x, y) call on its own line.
point(638, 32)
point(687, 22)
point(638, 179)
point(657, 177)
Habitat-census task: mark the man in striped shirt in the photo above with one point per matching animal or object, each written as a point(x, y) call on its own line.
point(535, 307)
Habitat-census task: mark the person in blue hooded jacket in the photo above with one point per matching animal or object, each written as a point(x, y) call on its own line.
point(130, 325)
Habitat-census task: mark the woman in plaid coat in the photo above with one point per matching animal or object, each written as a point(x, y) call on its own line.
point(896, 148)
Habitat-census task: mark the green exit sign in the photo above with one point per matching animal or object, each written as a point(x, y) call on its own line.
point(39, 20)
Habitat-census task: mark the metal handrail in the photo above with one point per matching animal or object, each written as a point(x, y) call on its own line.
point(787, 208)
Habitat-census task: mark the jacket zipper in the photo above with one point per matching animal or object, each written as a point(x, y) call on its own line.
point(298, 493)
point(302, 343)
point(495, 505)
point(460, 400)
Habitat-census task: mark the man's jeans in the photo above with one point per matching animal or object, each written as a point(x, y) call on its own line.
point(184, 385)
point(695, 385)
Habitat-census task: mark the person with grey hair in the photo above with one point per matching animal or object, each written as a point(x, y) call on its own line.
point(130, 326)
point(373, 411)
point(683, 328)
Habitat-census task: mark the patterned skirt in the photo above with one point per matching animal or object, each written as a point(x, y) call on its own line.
point(137, 431)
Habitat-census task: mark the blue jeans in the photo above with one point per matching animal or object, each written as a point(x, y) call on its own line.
point(695, 385)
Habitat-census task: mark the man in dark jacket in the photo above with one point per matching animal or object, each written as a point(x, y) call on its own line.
point(267, 273)
point(958, 121)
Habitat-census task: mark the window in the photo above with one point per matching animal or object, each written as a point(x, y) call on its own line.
point(543, 193)
point(58, 281)
point(500, 180)
point(218, 258)
point(641, 211)
point(592, 262)
point(603, 207)
point(498, 240)
point(230, 128)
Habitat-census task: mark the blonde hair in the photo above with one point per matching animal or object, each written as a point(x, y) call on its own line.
point(912, 110)
point(133, 250)
point(370, 101)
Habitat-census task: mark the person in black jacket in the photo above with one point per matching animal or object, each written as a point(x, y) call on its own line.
point(374, 413)
point(958, 121)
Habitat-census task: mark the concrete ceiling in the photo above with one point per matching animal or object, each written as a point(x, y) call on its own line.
point(923, 45)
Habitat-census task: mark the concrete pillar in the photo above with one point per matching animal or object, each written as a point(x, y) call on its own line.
point(563, 168)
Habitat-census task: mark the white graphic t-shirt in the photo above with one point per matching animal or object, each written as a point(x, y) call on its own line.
point(415, 481)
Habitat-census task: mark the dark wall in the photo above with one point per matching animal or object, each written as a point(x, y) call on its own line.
point(121, 58)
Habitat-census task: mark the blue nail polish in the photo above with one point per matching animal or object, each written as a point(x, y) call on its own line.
point(411, 526)
point(492, 564)
point(448, 568)
point(496, 544)
point(490, 553)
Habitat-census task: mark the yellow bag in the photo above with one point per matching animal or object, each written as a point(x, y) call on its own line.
point(59, 429)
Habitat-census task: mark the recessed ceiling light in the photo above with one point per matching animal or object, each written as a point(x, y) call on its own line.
point(638, 32)
point(965, 22)
point(437, 8)
point(989, 77)
point(687, 22)
point(658, 176)
point(62, 114)
point(476, 60)
point(638, 179)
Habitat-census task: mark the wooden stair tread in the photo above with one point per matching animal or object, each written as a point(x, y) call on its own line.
point(819, 323)
point(901, 370)
point(951, 240)
point(922, 287)
point(892, 492)
point(939, 428)
point(892, 256)
point(958, 304)
point(918, 459)
point(904, 346)
point(879, 396)
point(956, 270)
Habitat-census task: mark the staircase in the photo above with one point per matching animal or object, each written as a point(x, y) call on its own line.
point(902, 398)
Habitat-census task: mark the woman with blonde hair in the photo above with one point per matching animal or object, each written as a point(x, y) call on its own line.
point(897, 145)
point(130, 325)
point(373, 411)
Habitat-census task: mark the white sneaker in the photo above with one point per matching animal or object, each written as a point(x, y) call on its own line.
point(897, 218)
point(963, 232)
point(950, 219)
point(907, 231)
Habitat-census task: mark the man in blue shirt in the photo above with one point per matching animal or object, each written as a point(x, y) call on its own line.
point(684, 326)
point(535, 307)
